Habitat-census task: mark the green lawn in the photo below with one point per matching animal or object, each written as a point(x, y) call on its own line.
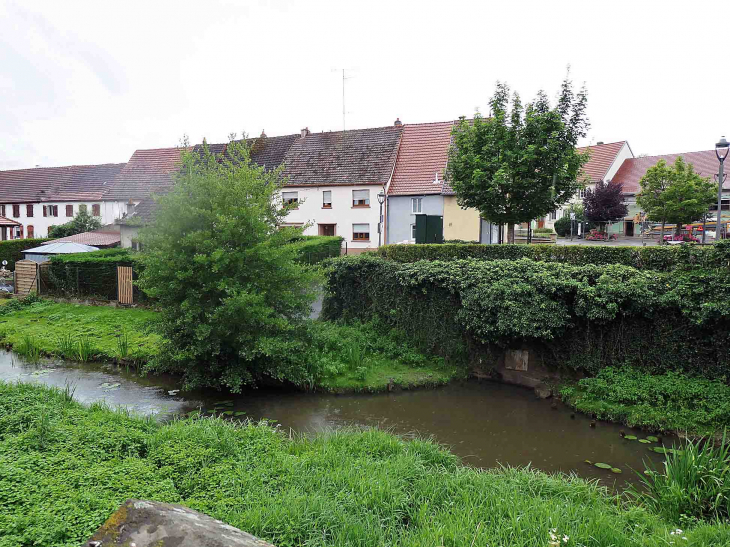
point(65, 468)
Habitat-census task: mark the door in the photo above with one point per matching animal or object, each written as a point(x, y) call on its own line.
point(327, 229)
point(434, 229)
point(421, 228)
point(541, 223)
point(630, 228)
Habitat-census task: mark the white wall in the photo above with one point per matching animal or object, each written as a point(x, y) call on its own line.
point(110, 211)
point(127, 234)
point(342, 213)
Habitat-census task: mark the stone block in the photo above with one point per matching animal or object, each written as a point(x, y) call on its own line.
point(516, 359)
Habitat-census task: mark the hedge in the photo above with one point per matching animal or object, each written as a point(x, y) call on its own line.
point(660, 258)
point(12, 250)
point(581, 317)
point(89, 274)
point(314, 249)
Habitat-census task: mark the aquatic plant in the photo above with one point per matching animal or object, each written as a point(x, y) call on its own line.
point(68, 392)
point(123, 345)
point(67, 345)
point(29, 347)
point(693, 483)
point(85, 349)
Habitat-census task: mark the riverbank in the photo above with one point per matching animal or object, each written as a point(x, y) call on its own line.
point(65, 468)
point(358, 357)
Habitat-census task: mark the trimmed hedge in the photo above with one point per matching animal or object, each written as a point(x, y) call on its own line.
point(89, 274)
point(581, 317)
point(315, 249)
point(660, 258)
point(12, 250)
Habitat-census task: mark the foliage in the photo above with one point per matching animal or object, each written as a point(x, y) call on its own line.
point(543, 231)
point(650, 258)
point(675, 194)
point(693, 486)
point(88, 274)
point(12, 250)
point(117, 256)
point(230, 287)
point(315, 249)
point(669, 401)
point(65, 468)
point(82, 222)
point(581, 317)
point(520, 162)
point(605, 202)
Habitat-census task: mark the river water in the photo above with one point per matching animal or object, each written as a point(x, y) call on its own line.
point(486, 424)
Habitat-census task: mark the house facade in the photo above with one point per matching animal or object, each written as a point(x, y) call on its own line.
point(33, 200)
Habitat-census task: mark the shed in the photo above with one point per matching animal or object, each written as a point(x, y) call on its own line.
point(45, 252)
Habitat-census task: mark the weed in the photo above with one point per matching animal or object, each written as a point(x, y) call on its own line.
point(123, 345)
point(29, 348)
point(67, 345)
point(85, 349)
point(68, 392)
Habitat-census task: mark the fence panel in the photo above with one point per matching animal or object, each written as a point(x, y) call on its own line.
point(26, 277)
point(126, 288)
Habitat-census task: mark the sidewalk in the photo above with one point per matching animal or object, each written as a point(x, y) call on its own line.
point(620, 242)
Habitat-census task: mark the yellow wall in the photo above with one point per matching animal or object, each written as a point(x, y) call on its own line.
point(460, 223)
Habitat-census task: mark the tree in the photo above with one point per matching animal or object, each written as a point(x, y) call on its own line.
point(674, 194)
point(82, 222)
point(562, 225)
point(230, 288)
point(605, 202)
point(521, 162)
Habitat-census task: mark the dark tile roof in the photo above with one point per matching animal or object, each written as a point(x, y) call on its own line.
point(146, 172)
point(422, 155)
point(71, 183)
point(270, 152)
point(95, 239)
point(360, 156)
point(4, 221)
point(602, 157)
point(629, 174)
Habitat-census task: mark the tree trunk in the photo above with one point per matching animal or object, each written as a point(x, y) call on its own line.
point(678, 230)
point(661, 234)
point(510, 233)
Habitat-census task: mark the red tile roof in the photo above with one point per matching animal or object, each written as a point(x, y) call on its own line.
point(96, 239)
point(602, 157)
point(4, 221)
point(423, 153)
point(705, 163)
point(146, 172)
point(71, 183)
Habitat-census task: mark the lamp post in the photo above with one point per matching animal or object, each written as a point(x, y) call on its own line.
point(721, 151)
point(381, 200)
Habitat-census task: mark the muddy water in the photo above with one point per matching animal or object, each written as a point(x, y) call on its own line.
point(484, 423)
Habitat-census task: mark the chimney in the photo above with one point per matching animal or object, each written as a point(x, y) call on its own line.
point(263, 134)
point(599, 142)
point(397, 122)
point(305, 132)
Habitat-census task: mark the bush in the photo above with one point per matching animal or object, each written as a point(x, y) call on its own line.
point(12, 250)
point(562, 226)
point(581, 317)
point(82, 222)
point(543, 231)
point(88, 274)
point(315, 249)
point(644, 258)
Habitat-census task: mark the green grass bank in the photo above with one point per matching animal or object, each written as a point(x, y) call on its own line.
point(64, 468)
point(348, 357)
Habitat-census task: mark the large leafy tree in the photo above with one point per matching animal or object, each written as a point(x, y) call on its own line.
point(228, 283)
point(674, 194)
point(82, 222)
point(521, 162)
point(605, 202)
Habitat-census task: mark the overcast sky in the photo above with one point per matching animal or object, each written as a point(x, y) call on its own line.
point(90, 82)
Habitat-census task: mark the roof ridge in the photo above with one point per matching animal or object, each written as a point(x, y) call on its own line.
point(61, 167)
point(671, 154)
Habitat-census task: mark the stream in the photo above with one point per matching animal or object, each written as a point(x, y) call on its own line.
point(486, 423)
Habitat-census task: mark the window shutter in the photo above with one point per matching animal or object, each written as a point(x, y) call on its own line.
point(29, 210)
point(2, 210)
point(55, 210)
point(16, 210)
point(31, 231)
point(45, 210)
point(96, 210)
point(327, 198)
point(69, 210)
point(361, 194)
point(289, 195)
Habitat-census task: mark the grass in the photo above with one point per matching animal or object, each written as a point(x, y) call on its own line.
point(663, 402)
point(65, 468)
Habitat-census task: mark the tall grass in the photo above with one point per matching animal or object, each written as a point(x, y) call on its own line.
point(123, 345)
point(29, 347)
point(85, 349)
point(67, 346)
point(692, 485)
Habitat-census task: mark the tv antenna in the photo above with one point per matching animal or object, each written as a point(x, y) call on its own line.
point(344, 77)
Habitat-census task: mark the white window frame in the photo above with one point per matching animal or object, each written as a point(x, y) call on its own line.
point(416, 205)
point(413, 231)
point(366, 200)
point(325, 204)
point(360, 232)
point(287, 201)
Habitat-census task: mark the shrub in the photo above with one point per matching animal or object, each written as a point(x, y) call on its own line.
point(315, 249)
point(12, 250)
point(562, 226)
point(89, 274)
point(543, 231)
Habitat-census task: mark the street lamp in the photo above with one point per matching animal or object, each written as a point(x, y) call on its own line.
point(381, 200)
point(721, 150)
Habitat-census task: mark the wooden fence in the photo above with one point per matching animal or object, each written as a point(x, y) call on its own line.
point(26, 277)
point(125, 287)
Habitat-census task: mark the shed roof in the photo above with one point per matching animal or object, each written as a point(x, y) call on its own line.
point(58, 248)
point(97, 239)
point(4, 221)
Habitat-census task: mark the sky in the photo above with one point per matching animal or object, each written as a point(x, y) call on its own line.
point(90, 82)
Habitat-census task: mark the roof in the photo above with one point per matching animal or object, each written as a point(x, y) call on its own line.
point(146, 172)
point(359, 156)
point(71, 183)
point(422, 158)
point(629, 174)
point(98, 239)
point(65, 247)
point(4, 221)
point(602, 157)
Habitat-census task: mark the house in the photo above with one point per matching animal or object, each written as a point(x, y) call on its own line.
point(705, 163)
point(33, 200)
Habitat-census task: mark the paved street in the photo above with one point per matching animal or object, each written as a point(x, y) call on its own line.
point(620, 242)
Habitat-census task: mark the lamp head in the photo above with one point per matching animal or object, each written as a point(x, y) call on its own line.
point(722, 148)
point(381, 197)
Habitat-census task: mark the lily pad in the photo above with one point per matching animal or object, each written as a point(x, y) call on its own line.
point(652, 439)
point(109, 385)
point(630, 437)
point(616, 470)
point(589, 462)
point(239, 413)
point(227, 412)
point(645, 441)
point(659, 449)
point(602, 465)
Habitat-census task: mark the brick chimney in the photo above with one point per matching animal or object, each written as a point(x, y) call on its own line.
point(305, 132)
point(397, 122)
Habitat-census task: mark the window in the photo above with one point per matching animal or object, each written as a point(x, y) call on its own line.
point(50, 210)
point(29, 211)
point(18, 232)
point(361, 198)
point(290, 198)
point(327, 199)
point(2, 210)
point(554, 215)
point(96, 210)
point(416, 205)
point(69, 210)
point(136, 245)
point(582, 193)
point(31, 231)
point(413, 231)
point(361, 232)
point(16, 210)
point(82, 207)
